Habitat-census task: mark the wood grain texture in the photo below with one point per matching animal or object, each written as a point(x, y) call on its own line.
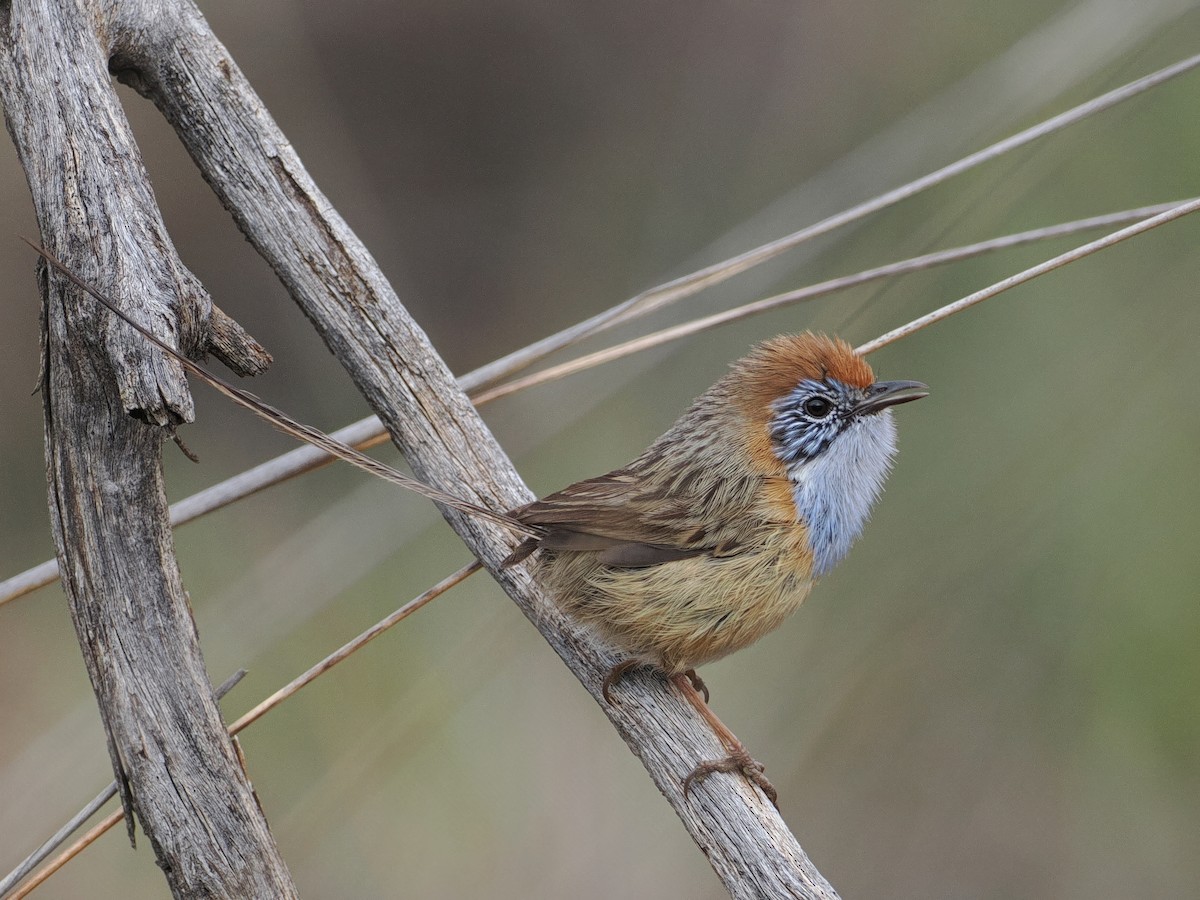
point(174, 762)
point(337, 284)
point(166, 52)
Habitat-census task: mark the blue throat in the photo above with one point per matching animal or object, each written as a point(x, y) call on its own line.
point(835, 490)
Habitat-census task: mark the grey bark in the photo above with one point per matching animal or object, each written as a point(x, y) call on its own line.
point(166, 52)
point(172, 757)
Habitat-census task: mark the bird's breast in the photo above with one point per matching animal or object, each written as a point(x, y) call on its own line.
point(682, 614)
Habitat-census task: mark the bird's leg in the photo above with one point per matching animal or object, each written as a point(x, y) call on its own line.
point(697, 683)
point(739, 758)
point(617, 672)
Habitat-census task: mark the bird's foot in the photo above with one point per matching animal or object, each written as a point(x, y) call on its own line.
point(615, 674)
point(739, 760)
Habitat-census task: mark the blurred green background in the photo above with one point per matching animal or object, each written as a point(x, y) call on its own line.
point(996, 695)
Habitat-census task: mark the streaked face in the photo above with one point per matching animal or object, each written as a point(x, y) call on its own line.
point(837, 442)
point(809, 419)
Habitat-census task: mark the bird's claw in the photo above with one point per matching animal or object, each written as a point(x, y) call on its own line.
point(739, 761)
point(697, 683)
point(615, 674)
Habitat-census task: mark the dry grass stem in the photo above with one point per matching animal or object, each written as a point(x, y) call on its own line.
point(248, 718)
point(30, 862)
point(70, 853)
point(354, 646)
point(687, 285)
point(369, 432)
point(1012, 281)
point(812, 292)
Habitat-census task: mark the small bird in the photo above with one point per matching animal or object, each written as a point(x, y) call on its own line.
point(719, 530)
point(715, 534)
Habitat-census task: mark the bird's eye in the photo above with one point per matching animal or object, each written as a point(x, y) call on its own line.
point(818, 407)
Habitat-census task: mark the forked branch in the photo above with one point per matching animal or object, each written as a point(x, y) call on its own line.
point(92, 197)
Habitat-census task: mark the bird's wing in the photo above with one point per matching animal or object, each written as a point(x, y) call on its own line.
point(628, 521)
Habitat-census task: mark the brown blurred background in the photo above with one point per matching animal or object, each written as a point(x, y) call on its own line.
point(996, 695)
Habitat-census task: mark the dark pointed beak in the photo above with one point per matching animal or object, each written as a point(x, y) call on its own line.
point(883, 394)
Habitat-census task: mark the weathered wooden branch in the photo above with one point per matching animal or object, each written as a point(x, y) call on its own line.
point(166, 52)
point(174, 762)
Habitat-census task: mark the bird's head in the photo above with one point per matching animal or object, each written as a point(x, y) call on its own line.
point(815, 412)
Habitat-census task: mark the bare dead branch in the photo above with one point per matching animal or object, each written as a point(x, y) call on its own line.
point(166, 52)
point(253, 169)
point(174, 763)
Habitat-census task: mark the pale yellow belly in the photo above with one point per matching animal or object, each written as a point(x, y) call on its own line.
point(682, 614)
